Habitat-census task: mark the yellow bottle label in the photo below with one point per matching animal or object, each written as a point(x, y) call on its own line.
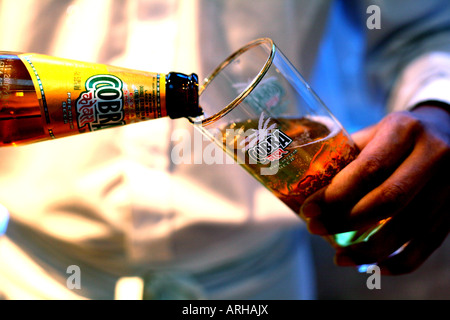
point(78, 97)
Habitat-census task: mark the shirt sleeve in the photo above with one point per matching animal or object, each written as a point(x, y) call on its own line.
point(425, 79)
point(408, 56)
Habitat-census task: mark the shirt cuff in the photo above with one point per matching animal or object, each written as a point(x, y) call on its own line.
point(425, 79)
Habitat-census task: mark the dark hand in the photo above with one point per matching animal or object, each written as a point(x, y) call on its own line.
point(402, 173)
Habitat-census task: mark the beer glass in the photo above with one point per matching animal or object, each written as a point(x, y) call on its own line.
point(261, 111)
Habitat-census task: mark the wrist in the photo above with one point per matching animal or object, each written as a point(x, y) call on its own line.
point(435, 114)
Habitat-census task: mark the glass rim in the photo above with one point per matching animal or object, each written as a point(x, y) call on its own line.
point(244, 92)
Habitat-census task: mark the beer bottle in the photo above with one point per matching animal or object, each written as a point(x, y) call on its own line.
point(43, 97)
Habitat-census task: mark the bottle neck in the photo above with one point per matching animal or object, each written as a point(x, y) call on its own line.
point(182, 95)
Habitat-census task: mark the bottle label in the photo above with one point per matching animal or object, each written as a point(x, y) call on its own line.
point(78, 97)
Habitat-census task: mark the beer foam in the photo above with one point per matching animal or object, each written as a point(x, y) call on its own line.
point(330, 123)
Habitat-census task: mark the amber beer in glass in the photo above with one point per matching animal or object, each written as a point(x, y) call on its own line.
point(299, 159)
point(260, 110)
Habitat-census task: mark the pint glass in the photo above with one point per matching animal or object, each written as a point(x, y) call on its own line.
point(261, 111)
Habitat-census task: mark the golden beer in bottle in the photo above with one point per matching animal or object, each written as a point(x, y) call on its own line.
point(43, 97)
